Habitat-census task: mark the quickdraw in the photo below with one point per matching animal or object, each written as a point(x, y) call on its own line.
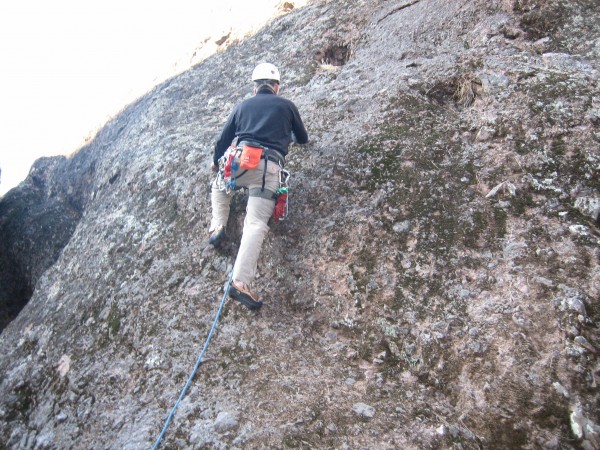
point(281, 203)
point(227, 167)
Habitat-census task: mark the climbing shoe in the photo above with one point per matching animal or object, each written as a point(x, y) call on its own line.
point(238, 291)
point(217, 236)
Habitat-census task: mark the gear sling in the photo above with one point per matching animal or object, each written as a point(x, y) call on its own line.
point(250, 155)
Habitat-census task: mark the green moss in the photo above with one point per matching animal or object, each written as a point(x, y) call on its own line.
point(584, 166)
point(521, 146)
point(522, 202)
point(114, 319)
point(25, 400)
point(500, 219)
point(309, 71)
point(368, 263)
point(550, 86)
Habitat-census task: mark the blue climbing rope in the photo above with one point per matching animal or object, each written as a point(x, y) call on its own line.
point(198, 361)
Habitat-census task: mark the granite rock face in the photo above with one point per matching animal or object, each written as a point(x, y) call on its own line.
point(436, 284)
point(36, 222)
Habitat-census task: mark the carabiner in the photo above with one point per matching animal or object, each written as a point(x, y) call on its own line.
point(284, 177)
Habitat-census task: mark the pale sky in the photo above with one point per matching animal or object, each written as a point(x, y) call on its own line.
point(67, 66)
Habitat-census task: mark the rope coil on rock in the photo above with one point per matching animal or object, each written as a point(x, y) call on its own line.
point(195, 369)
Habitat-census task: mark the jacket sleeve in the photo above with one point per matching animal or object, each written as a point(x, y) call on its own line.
point(227, 135)
point(298, 130)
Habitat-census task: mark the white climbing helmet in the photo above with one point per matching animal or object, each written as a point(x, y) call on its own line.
point(265, 71)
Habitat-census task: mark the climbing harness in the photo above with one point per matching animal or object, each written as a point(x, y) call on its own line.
point(229, 164)
point(198, 361)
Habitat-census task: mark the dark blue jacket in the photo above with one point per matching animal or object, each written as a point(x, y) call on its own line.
point(265, 118)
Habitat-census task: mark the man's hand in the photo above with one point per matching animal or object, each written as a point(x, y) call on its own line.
point(214, 168)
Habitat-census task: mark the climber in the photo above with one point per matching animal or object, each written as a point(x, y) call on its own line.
point(264, 126)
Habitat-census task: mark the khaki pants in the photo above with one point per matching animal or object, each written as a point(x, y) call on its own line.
point(258, 212)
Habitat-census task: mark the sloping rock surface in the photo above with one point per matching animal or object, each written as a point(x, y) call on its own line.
point(436, 284)
point(36, 222)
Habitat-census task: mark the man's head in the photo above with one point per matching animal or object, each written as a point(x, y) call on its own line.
point(266, 75)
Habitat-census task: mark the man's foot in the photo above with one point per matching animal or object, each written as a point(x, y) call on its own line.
point(217, 236)
point(240, 292)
